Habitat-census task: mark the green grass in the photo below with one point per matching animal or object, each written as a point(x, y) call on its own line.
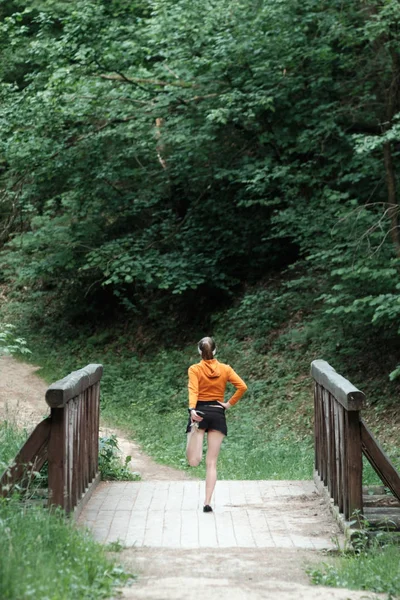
point(42, 554)
point(149, 400)
point(11, 440)
point(375, 570)
point(247, 453)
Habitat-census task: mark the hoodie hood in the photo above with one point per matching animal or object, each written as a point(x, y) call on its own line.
point(211, 368)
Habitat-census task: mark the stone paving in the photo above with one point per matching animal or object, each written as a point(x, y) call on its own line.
point(247, 514)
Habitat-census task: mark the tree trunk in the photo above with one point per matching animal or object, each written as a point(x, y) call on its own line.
point(392, 106)
point(392, 206)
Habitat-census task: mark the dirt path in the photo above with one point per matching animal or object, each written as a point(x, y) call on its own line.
point(22, 400)
point(168, 573)
point(239, 574)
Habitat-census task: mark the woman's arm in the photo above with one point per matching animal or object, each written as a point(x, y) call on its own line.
point(240, 386)
point(193, 388)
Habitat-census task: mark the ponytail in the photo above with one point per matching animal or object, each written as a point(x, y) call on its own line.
point(207, 348)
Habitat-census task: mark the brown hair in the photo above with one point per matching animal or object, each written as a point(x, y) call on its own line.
point(206, 348)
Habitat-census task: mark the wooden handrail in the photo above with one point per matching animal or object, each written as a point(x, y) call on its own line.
point(338, 457)
point(68, 440)
point(341, 438)
point(340, 388)
point(64, 390)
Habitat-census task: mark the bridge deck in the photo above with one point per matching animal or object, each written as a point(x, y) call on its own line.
point(251, 514)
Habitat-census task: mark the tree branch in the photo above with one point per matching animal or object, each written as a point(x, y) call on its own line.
point(135, 80)
point(87, 135)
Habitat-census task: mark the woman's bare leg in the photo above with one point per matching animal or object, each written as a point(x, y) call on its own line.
point(194, 447)
point(214, 441)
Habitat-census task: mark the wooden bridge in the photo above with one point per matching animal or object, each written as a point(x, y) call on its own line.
point(247, 514)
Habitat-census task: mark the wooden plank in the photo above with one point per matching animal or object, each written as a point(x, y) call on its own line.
point(343, 461)
point(75, 493)
point(56, 458)
point(318, 426)
point(85, 443)
point(338, 489)
point(349, 396)
point(80, 448)
point(332, 456)
point(382, 511)
point(87, 438)
point(68, 457)
point(90, 431)
point(377, 518)
point(71, 453)
point(380, 461)
point(97, 416)
point(95, 432)
point(31, 457)
point(327, 445)
point(380, 500)
point(323, 445)
point(60, 392)
point(354, 463)
point(316, 429)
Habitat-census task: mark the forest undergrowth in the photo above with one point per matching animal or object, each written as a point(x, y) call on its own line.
point(144, 387)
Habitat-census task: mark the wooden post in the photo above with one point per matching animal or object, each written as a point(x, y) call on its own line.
point(56, 458)
point(354, 463)
point(316, 429)
point(338, 478)
point(328, 439)
point(343, 460)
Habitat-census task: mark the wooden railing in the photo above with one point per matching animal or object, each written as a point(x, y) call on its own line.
point(68, 439)
point(341, 438)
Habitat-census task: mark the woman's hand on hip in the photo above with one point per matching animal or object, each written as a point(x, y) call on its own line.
point(194, 416)
point(226, 405)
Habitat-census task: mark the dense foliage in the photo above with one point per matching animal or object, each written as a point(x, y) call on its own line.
point(9, 342)
point(157, 155)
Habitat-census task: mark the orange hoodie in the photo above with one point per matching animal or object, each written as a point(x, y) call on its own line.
point(208, 379)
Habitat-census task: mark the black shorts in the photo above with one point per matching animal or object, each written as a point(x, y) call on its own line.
point(214, 416)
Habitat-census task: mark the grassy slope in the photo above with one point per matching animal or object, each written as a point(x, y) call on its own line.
point(270, 430)
point(34, 543)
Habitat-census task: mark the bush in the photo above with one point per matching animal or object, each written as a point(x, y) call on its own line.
point(111, 465)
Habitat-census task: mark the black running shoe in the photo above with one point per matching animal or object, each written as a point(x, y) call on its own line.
point(207, 508)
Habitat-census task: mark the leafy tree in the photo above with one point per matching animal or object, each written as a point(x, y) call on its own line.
point(161, 155)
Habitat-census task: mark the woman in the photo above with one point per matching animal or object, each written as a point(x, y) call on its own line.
point(207, 383)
